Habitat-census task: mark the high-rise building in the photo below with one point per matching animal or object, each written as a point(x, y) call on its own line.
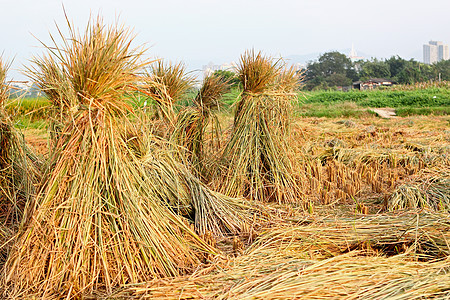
point(435, 51)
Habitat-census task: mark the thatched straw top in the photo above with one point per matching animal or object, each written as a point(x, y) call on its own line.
point(168, 81)
point(97, 67)
point(51, 78)
point(257, 72)
point(4, 85)
point(212, 90)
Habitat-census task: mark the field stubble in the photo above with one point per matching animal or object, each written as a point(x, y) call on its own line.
point(342, 241)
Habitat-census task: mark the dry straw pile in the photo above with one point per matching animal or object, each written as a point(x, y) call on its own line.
point(18, 165)
point(192, 123)
point(257, 154)
point(275, 268)
point(97, 223)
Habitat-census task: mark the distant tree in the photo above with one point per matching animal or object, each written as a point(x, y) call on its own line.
point(396, 65)
point(338, 80)
point(414, 71)
point(331, 69)
point(335, 69)
point(374, 69)
point(334, 63)
point(442, 68)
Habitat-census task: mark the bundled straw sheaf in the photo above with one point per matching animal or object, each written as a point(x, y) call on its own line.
point(257, 155)
point(97, 222)
point(18, 165)
point(166, 83)
point(272, 273)
point(173, 182)
point(192, 123)
point(431, 193)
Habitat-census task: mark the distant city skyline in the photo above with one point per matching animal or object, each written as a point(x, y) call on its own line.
point(201, 31)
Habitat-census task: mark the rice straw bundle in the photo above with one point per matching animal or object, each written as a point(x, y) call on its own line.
point(48, 75)
point(265, 274)
point(18, 165)
point(423, 234)
point(257, 155)
point(431, 193)
point(186, 195)
point(192, 122)
point(97, 223)
point(165, 83)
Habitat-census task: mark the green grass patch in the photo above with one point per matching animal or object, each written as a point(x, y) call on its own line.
point(29, 122)
point(425, 111)
point(333, 110)
point(432, 97)
point(34, 108)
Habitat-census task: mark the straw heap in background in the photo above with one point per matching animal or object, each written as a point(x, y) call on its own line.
point(97, 223)
point(257, 155)
point(192, 123)
point(19, 170)
point(429, 192)
point(166, 83)
point(57, 87)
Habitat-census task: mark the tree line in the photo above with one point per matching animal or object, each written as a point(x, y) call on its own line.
point(334, 69)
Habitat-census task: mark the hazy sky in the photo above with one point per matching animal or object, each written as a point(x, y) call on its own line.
point(201, 31)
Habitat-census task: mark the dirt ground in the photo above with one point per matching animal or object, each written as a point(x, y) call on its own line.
point(385, 112)
point(37, 139)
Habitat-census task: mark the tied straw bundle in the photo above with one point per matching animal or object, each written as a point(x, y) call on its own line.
point(97, 223)
point(192, 123)
point(257, 155)
point(19, 167)
point(166, 83)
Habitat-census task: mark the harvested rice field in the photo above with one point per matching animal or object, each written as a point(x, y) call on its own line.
point(116, 197)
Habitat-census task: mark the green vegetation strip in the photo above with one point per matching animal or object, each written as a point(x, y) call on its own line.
point(431, 97)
